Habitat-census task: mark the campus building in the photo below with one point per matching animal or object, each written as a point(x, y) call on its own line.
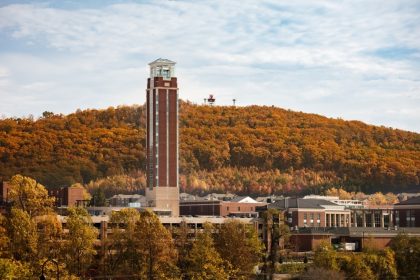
point(334, 225)
point(300, 212)
point(407, 213)
point(348, 203)
point(68, 196)
point(127, 200)
point(235, 207)
point(162, 190)
point(313, 221)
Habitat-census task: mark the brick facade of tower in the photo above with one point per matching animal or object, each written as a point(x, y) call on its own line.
point(162, 190)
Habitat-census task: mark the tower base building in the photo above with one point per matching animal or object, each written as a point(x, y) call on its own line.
point(164, 200)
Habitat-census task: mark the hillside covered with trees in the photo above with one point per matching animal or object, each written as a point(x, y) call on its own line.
point(253, 150)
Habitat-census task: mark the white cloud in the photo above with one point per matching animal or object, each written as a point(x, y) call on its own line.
point(3, 72)
point(314, 56)
point(37, 86)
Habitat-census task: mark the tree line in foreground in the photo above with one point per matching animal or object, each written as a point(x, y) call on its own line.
point(138, 246)
point(253, 150)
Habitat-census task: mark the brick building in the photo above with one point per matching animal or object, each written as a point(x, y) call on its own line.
point(314, 220)
point(238, 207)
point(301, 212)
point(307, 239)
point(68, 196)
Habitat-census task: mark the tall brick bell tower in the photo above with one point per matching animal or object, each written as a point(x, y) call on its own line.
point(162, 192)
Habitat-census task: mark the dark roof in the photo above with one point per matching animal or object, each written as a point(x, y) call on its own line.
point(238, 198)
point(410, 201)
point(300, 203)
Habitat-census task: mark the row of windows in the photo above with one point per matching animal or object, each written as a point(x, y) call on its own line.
point(311, 220)
point(311, 215)
point(239, 208)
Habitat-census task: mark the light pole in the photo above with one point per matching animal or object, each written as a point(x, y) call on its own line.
point(42, 277)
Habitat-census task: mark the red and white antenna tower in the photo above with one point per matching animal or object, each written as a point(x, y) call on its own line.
point(211, 99)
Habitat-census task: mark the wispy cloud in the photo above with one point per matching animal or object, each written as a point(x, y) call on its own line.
point(353, 59)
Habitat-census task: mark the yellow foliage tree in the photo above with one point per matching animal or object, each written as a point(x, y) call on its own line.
point(326, 257)
point(121, 256)
point(78, 249)
point(12, 269)
point(341, 193)
point(238, 243)
point(155, 248)
point(204, 262)
point(377, 199)
point(22, 231)
point(29, 196)
point(4, 238)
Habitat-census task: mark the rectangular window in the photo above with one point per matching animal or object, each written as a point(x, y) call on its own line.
point(408, 218)
point(165, 73)
point(411, 219)
point(368, 220)
point(377, 217)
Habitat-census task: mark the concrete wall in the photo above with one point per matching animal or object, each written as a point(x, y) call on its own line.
point(164, 198)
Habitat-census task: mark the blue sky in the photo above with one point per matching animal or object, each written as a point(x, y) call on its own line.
point(356, 60)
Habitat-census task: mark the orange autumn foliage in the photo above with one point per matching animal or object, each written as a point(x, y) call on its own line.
point(253, 149)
